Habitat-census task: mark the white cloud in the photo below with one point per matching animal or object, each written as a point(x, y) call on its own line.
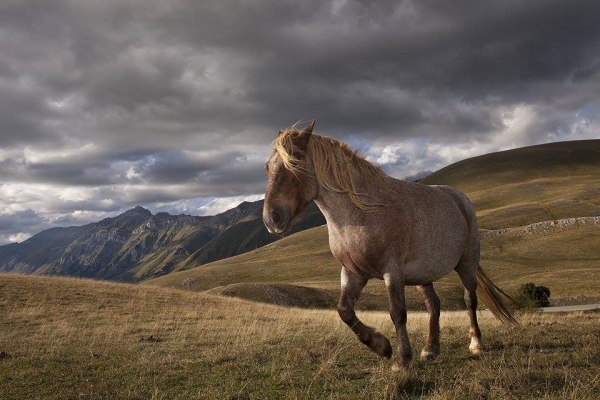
point(17, 237)
point(220, 205)
point(520, 128)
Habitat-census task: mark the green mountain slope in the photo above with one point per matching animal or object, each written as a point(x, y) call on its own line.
point(564, 256)
point(247, 234)
point(531, 184)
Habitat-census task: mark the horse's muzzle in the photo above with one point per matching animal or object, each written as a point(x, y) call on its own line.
point(276, 221)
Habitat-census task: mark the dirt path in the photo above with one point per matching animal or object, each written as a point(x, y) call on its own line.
point(583, 307)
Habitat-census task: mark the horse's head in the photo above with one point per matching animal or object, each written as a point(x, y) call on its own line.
point(291, 183)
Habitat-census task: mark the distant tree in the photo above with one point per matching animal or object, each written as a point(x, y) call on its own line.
point(531, 295)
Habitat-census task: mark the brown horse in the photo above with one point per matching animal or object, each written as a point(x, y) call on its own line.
point(380, 227)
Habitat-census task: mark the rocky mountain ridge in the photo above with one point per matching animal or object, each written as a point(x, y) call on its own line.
point(138, 245)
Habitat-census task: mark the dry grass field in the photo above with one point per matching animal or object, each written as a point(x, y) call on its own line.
point(78, 339)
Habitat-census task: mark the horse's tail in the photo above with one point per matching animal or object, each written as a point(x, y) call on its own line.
point(493, 297)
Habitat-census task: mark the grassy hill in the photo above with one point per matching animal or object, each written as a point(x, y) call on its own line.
point(247, 234)
point(64, 338)
point(535, 253)
point(531, 184)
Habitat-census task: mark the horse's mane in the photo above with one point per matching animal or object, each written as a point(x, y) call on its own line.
point(337, 167)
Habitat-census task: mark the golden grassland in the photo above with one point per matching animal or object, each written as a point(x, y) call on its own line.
point(70, 338)
point(565, 259)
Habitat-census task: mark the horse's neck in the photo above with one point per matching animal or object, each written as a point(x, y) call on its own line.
point(336, 207)
point(339, 210)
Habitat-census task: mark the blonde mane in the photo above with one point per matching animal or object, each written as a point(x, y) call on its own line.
point(337, 167)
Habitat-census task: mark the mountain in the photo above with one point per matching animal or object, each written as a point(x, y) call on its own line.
point(137, 245)
point(249, 233)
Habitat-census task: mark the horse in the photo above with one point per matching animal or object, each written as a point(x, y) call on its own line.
point(380, 227)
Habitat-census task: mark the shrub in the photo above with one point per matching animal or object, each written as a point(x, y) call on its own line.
point(531, 295)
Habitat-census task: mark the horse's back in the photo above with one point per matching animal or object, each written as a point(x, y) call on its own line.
point(457, 211)
point(463, 203)
point(444, 230)
point(432, 199)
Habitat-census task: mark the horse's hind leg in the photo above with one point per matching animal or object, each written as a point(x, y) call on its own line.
point(352, 285)
point(432, 303)
point(476, 347)
point(468, 276)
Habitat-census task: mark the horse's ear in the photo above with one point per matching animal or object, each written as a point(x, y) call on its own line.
point(301, 140)
point(310, 127)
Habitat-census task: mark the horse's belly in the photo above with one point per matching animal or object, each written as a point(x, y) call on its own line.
point(372, 256)
point(416, 273)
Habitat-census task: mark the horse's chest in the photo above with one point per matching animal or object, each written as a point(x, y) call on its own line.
point(356, 254)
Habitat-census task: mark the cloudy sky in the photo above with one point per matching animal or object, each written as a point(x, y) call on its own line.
point(172, 105)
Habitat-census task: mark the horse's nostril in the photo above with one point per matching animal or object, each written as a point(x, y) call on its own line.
point(275, 217)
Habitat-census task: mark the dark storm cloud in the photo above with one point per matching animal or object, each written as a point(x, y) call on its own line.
point(484, 55)
point(18, 220)
point(62, 170)
point(13, 224)
point(164, 101)
point(178, 166)
point(374, 67)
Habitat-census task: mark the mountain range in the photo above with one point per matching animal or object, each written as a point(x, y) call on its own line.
point(138, 245)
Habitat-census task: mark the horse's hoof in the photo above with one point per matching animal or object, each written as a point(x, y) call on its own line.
point(398, 366)
point(380, 345)
point(476, 347)
point(429, 354)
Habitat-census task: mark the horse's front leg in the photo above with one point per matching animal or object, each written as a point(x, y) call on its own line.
point(395, 286)
point(352, 285)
